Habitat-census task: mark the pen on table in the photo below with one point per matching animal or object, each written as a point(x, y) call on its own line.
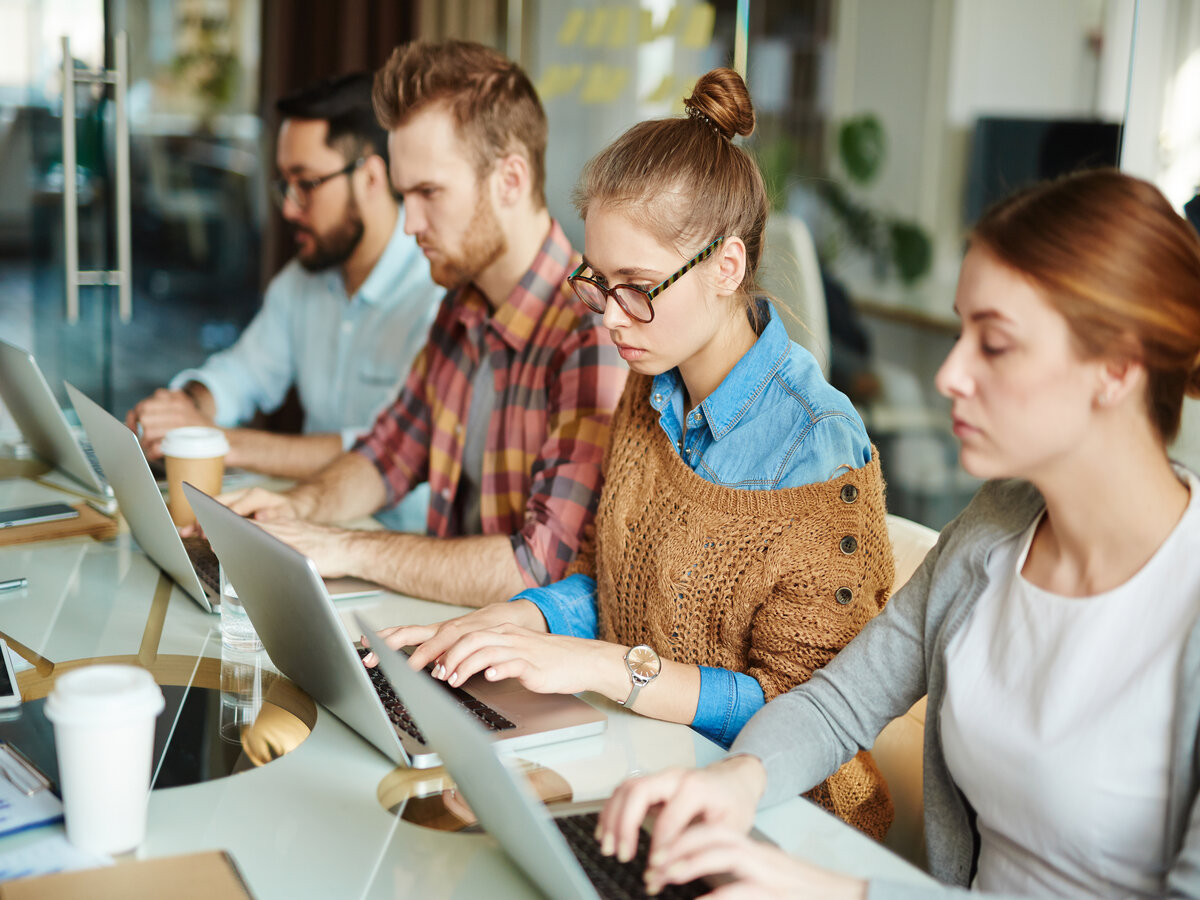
point(14, 584)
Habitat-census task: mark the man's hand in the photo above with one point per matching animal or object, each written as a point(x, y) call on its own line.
point(267, 506)
point(322, 544)
point(725, 793)
point(432, 641)
point(159, 413)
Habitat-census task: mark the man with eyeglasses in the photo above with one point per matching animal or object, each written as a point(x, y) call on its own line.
point(507, 409)
point(342, 321)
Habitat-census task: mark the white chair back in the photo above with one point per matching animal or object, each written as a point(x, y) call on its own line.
point(899, 749)
point(789, 271)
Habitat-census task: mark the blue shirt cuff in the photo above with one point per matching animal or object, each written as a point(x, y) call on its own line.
point(727, 701)
point(568, 605)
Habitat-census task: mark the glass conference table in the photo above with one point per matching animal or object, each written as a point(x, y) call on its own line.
point(306, 807)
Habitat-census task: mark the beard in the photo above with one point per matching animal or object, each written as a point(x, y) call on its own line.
point(483, 243)
point(337, 244)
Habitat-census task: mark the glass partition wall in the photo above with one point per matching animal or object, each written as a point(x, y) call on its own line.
point(884, 129)
point(195, 195)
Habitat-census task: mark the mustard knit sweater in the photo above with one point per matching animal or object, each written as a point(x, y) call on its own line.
point(770, 583)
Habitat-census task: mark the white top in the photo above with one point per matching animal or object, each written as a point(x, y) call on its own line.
point(1056, 723)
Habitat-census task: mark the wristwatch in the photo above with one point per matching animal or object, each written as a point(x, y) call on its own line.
point(643, 665)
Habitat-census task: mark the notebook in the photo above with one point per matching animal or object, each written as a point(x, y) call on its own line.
point(560, 856)
point(302, 633)
point(190, 562)
point(29, 399)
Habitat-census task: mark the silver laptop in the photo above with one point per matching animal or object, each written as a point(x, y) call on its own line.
point(559, 855)
point(43, 425)
point(190, 562)
point(301, 632)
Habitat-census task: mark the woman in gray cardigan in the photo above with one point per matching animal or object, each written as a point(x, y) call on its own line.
point(1056, 624)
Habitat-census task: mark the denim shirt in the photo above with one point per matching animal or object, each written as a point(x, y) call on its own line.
point(772, 423)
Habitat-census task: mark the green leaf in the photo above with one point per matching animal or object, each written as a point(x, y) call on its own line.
point(862, 147)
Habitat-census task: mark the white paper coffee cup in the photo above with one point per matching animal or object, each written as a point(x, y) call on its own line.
point(103, 719)
point(195, 454)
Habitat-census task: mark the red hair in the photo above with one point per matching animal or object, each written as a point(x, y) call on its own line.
point(494, 104)
point(1120, 265)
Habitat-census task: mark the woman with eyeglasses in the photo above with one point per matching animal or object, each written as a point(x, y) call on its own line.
point(740, 538)
point(1056, 625)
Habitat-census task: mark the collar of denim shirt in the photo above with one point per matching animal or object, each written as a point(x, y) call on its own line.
point(744, 384)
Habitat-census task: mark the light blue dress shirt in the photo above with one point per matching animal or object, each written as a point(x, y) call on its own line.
point(774, 422)
point(347, 356)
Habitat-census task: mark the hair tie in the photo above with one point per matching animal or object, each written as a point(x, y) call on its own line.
point(694, 113)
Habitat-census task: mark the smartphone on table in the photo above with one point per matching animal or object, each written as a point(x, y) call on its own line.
point(31, 515)
point(10, 696)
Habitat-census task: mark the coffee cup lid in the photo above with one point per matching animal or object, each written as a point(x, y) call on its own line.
point(194, 442)
point(103, 694)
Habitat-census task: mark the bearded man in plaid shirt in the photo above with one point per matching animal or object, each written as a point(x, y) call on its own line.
point(507, 408)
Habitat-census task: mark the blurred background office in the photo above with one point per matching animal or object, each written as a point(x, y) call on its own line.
point(884, 129)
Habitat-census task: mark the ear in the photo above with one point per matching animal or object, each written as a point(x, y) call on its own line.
point(731, 265)
point(1120, 378)
point(376, 173)
point(511, 179)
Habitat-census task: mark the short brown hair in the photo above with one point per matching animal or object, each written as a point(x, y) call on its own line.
point(494, 105)
point(683, 180)
point(1120, 265)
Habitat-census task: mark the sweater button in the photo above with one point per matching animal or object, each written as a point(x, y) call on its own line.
point(843, 595)
point(848, 544)
point(849, 493)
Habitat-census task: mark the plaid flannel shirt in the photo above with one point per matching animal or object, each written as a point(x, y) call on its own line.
point(557, 378)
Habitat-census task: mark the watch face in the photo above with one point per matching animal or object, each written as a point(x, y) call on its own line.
point(643, 662)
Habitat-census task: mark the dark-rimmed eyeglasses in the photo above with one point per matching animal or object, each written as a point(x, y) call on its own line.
point(299, 190)
point(633, 300)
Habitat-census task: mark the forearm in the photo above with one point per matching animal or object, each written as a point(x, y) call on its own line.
point(348, 488)
point(282, 455)
point(671, 697)
point(467, 571)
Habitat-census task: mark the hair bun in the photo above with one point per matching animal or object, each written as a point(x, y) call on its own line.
point(721, 99)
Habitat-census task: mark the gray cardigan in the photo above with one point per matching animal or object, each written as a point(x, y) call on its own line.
point(806, 734)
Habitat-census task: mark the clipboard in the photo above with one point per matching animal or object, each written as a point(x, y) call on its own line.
point(89, 522)
point(198, 876)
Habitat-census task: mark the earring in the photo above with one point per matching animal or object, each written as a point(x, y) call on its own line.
point(1105, 398)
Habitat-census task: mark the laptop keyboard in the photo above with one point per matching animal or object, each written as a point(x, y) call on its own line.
point(609, 876)
point(204, 561)
point(487, 716)
point(93, 459)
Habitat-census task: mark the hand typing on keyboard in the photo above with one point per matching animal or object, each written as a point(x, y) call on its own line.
point(431, 641)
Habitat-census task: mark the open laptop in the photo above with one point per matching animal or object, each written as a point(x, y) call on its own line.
point(559, 855)
point(43, 425)
point(190, 562)
point(302, 633)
